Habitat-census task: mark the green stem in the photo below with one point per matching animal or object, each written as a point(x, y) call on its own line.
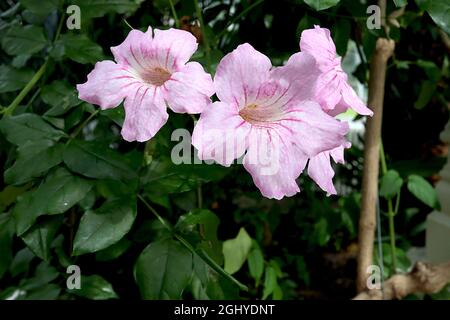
point(188, 246)
point(58, 31)
point(205, 38)
point(199, 196)
point(129, 25)
point(392, 237)
point(161, 219)
point(10, 109)
point(391, 213)
point(174, 13)
point(33, 97)
point(397, 203)
point(82, 125)
point(383, 159)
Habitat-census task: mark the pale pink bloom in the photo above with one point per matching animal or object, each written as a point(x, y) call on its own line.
point(149, 72)
point(320, 169)
point(266, 115)
point(332, 89)
point(335, 96)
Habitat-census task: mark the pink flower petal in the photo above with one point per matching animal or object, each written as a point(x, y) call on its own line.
point(189, 89)
point(328, 90)
point(220, 134)
point(106, 85)
point(145, 114)
point(318, 43)
point(298, 76)
point(173, 47)
point(332, 90)
point(340, 108)
point(135, 50)
point(311, 129)
point(273, 164)
point(320, 170)
point(351, 100)
point(338, 153)
point(240, 74)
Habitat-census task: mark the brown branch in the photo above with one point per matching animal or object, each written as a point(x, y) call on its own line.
point(424, 278)
point(383, 51)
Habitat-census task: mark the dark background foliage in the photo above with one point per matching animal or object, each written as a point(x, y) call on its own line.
point(138, 226)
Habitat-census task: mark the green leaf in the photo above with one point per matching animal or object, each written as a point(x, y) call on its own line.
point(208, 284)
point(94, 160)
point(321, 4)
point(256, 263)
point(164, 177)
point(110, 189)
point(439, 11)
point(400, 3)
point(98, 8)
point(28, 127)
point(341, 34)
point(163, 270)
point(306, 22)
point(322, 236)
point(302, 270)
point(34, 159)
point(57, 194)
point(115, 114)
point(114, 251)
point(21, 262)
point(39, 238)
point(95, 287)
point(427, 90)
point(63, 259)
point(45, 292)
point(390, 184)
point(6, 236)
point(60, 96)
point(9, 195)
point(12, 79)
point(44, 274)
point(61, 191)
point(423, 191)
point(23, 40)
point(236, 250)
point(431, 69)
point(20, 60)
point(105, 226)
point(207, 223)
point(41, 8)
point(270, 282)
point(80, 48)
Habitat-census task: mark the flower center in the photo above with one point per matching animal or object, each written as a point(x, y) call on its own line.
point(156, 76)
point(255, 114)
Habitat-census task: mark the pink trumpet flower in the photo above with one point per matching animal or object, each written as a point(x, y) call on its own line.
point(332, 90)
point(149, 72)
point(266, 115)
point(334, 95)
